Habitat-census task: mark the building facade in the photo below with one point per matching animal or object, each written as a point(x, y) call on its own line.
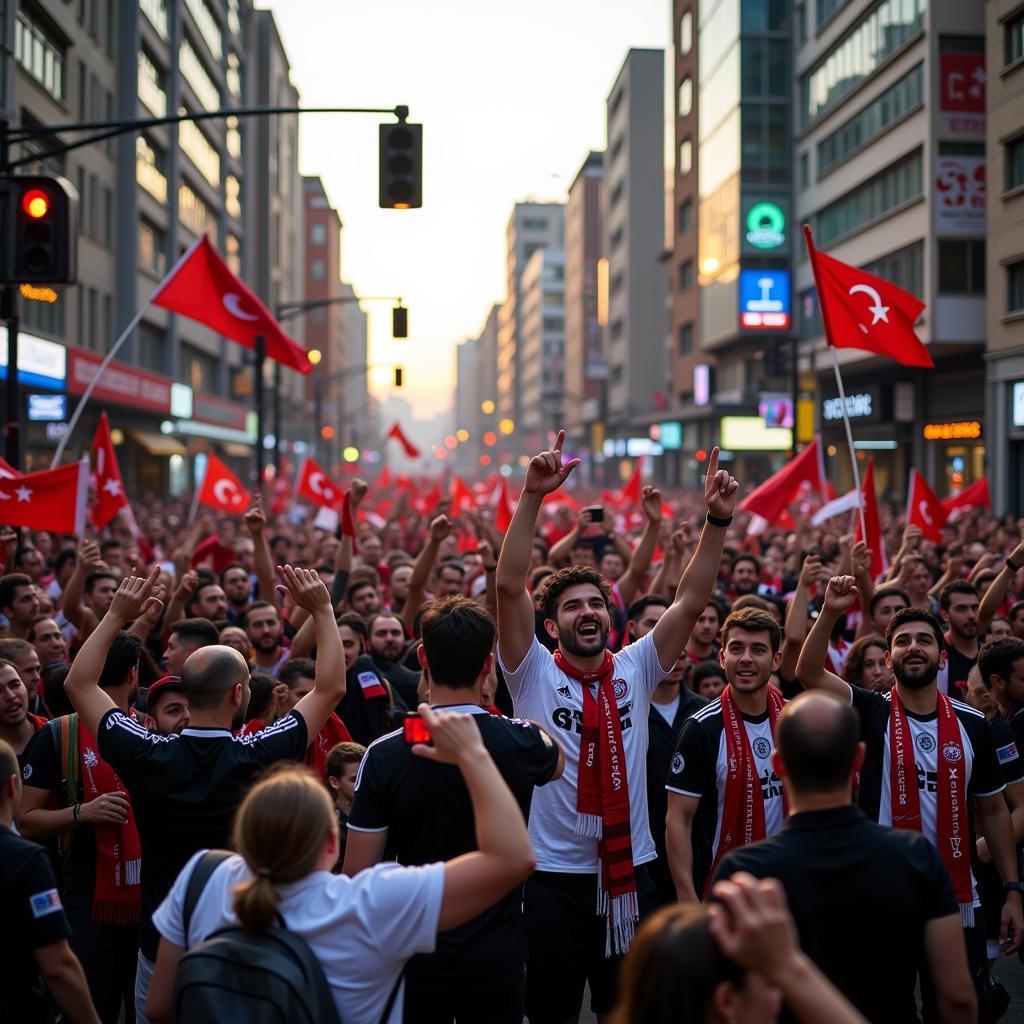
point(1004, 257)
point(542, 340)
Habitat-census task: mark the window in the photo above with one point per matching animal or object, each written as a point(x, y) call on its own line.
point(1013, 39)
point(685, 156)
point(824, 10)
point(899, 183)
point(685, 96)
point(108, 321)
point(39, 54)
point(318, 270)
point(192, 70)
point(152, 245)
point(207, 25)
point(93, 313)
point(194, 214)
point(685, 215)
point(618, 280)
point(904, 268)
point(1015, 288)
point(156, 11)
point(686, 33)
point(962, 267)
point(1013, 162)
point(233, 75)
point(616, 147)
point(200, 151)
point(616, 239)
point(616, 330)
point(233, 253)
point(867, 124)
point(234, 21)
point(858, 54)
point(233, 196)
point(810, 325)
point(233, 138)
point(616, 195)
point(686, 339)
point(152, 348)
point(149, 169)
point(805, 169)
point(686, 275)
point(533, 224)
point(800, 20)
point(198, 368)
point(616, 102)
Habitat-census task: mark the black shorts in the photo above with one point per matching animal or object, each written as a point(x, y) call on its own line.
point(465, 999)
point(566, 939)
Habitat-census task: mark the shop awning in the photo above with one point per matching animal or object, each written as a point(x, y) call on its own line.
point(159, 445)
point(239, 451)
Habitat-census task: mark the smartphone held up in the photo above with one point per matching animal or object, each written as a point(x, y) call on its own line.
point(415, 729)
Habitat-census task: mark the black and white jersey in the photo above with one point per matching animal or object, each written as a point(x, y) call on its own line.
point(699, 769)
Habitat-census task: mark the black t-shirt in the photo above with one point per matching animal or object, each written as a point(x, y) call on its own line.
point(425, 808)
point(33, 917)
point(185, 789)
point(850, 885)
point(404, 681)
point(365, 718)
point(957, 668)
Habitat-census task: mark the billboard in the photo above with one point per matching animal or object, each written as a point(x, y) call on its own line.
point(764, 299)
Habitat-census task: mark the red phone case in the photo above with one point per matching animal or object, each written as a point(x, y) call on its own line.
point(415, 730)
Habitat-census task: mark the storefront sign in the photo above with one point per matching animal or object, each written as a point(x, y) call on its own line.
point(121, 384)
point(966, 430)
point(211, 409)
point(631, 447)
point(670, 436)
point(764, 299)
point(858, 407)
point(749, 434)
point(766, 226)
point(777, 410)
point(1018, 403)
point(960, 195)
point(701, 384)
point(962, 94)
point(41, 363)
point(47, 407)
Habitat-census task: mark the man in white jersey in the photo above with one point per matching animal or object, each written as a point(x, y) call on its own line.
point(590, 828)
point(930, 766)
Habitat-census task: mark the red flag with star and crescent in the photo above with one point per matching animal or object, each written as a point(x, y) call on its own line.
point(110, 497)
point(315, 485)
point(53, 499)
point(202, 287)
point(221, 489)
point(924, 508)
point(860, 310)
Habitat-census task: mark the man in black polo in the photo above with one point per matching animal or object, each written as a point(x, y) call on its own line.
point(423, 812)
point(849, 880)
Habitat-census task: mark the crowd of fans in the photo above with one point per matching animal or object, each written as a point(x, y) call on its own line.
point(432, 772)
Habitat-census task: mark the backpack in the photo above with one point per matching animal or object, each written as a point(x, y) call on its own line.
point(65, 738)
point(268, 977)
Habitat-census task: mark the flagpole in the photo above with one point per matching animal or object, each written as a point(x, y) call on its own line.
point(115, 348)
point(812, 252)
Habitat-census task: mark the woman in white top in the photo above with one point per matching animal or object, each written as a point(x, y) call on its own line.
point(362, 929)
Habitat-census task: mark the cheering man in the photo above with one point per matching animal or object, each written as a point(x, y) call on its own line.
point(590, 828)
point(930, 761)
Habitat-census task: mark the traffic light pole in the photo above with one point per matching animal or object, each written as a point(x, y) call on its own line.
point(12, 429)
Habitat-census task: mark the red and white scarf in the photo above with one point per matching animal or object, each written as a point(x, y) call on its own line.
point(117, 896)
point(952, 835)
point(743, 819)
point(602, 802)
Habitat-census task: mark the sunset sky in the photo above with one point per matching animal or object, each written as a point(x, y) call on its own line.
point(511, 97)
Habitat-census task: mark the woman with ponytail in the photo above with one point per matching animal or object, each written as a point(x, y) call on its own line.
point(362, 929)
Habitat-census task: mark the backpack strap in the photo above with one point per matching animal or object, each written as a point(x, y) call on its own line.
point(204, 868)
point(389, 1005)
point(303, 954)
point(65, 730)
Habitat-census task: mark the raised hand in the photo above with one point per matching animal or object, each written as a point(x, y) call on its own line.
point(255, 518)
point(153, 608)
point(455, 736)
point(132, 595)
point(840, 594)
point(650, 502)
point(679, 540)
point(440, 529)
point(306, 588)
point(89, 555)
point(861, 556)
point(187, 585)
point(720, 489)
point(546, 472)
point(811, 572)
point(357, 491)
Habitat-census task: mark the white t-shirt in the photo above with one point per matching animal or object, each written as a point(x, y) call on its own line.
point(667, 711)
point(544, 694)
point(362, 929)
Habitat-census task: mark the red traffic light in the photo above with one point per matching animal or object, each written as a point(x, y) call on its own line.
point(36, 203)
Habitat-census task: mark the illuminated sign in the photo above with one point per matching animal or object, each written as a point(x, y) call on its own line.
point(766, 226)
point(1018, 403)
point(764, 299)
point(35, 294)
point(776, 410)
point(749, 434)
point(47, 407)
point(963, 430)
point(857, 407)
point(671, 436)
point(631, 447)
point(701, 384)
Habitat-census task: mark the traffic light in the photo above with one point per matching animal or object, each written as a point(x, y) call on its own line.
point(401, 170)
point(38, 229)
point(398, 376)
point(400, 322)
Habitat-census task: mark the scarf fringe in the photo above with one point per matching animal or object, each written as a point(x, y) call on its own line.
point(622, 921)
point(115, 912)
point(589, 825)
point(967, 915)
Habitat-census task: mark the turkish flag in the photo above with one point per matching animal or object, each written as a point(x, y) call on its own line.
point(315, 485)
point(461, 495)
point(771, 499)
point(630, 494)
point(924, 509)
point(384, 478)
point(53, 499)
point(110, 498)
point(396, 431)
point(873, 523)
point(503, 508)
point(221, 489)
point(975, 494)
point(7, 471)
point(862, 311)
point(203, 288)
point(427, 502)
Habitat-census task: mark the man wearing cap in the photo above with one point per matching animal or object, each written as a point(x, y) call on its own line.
point(167, 710)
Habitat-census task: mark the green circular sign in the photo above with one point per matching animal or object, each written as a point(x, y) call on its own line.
point(766, 225)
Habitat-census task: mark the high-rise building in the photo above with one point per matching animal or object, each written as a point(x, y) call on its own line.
point(890, 174)
point(542, 348)
point(358, 414)
point(476, 410)
point(586, 369)
point(633, 223)
point(467, 400)
point(532, 226)
point(1005, 252)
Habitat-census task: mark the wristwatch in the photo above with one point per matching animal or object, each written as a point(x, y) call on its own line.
point(1010, 565)
point(1013, 887)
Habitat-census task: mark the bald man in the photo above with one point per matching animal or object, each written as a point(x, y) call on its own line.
point(185, 788)
point(848, 878)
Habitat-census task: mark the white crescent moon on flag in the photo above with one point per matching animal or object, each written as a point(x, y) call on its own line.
point(226, 492)
point(315, 482)
point(922, 507)
point(233, 304)
point(877, 311)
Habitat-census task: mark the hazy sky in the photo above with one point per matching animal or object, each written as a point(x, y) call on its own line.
point(511, 96)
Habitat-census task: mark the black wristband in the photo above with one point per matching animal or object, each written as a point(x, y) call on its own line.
point(76, 813)
point(1013, 887)
point(718, 520)
point(1011, 566)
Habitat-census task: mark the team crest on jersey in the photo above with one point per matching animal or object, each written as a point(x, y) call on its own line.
point(1007, 754)
point(619, 688)
point(90, 758)
point(677, 764)
point(564, 691)
point(925, 743)
point(26, 772)
point(952, 753)
point(762, 748)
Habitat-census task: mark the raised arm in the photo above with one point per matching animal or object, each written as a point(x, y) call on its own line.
point(440, 530)
point(75, 612)
point(255, 523)
point(561, 550)
point(996, 592)
point(546, 473)
point(183, 591)
point(840, 595)
point(675, 626)
point(795, 632)
point(640, 560)
point(308, 591)
point(346, 549)
point(666, 579)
